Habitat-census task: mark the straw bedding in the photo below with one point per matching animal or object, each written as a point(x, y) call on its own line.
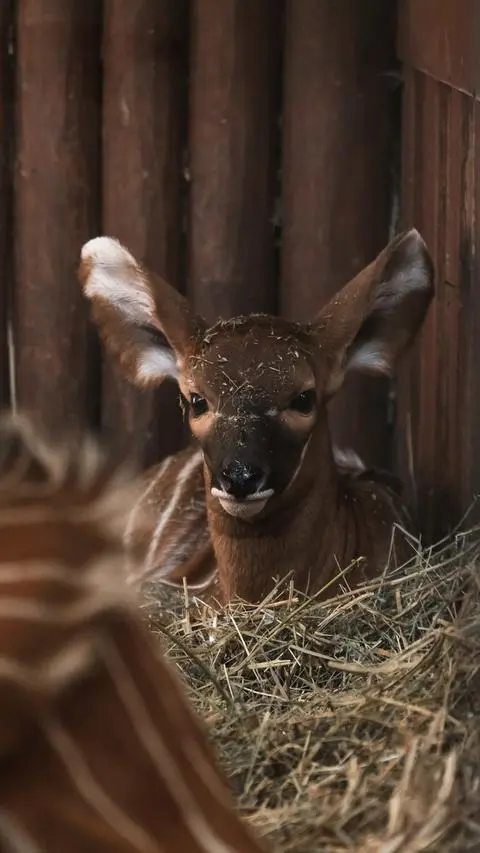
point(350, 724)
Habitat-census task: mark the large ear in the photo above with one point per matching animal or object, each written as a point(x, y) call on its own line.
point(369, 324)
point(144, 322)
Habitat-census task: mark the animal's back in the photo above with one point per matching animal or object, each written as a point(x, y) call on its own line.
point(99, 749)
point(379, 522)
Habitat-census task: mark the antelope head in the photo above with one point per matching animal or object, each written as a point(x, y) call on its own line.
point(256, 387)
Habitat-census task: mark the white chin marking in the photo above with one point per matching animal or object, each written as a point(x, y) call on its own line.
point(242, 509)
point(247, 508)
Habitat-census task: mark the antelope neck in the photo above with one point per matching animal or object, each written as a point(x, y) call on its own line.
point(297, 535)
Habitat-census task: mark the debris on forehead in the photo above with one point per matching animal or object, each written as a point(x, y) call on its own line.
point(253, 328)
point(273, 335)
point(253, 358)
point(275, 369)
point(249, 356)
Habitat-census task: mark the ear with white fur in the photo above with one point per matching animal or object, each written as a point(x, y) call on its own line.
point(144, 322)
point(369, 324)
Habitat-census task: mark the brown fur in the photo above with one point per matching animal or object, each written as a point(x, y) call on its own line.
point(242, 381)
point(99, 749)
point(247, 565)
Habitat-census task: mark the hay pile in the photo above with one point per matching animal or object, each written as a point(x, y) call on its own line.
point(352, 724)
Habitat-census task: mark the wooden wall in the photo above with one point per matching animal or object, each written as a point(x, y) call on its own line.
point(439, 413)
point(242, 148)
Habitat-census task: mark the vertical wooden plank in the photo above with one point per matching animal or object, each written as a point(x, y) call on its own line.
point(232, 124)
point(428, 121)
point(407, 408)
point(444, 199)
point(409, 148)
point(441, 40)
point(6, 161)
point(336, 174)
point(145, 80)
point(469, 403)
point(425, 145)
point(56, 204)
point(440, 404)
point(442, 501)
point(448, 422)
point(453, 300)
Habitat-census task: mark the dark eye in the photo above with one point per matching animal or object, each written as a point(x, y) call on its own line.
point(198, 405)
point(304, 403)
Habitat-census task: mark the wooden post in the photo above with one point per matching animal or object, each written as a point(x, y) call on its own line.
point(337, 126)
point(56, 204)
point(439, 411)
point(233, 111)
point(6, 206)
point(145, 91)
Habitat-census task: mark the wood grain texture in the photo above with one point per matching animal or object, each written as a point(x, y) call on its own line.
point(233, 103)
point(337, 126)
point(439, 411)
point(7, 142)
point(56, 204)
point(144, 125)
point(441, 39)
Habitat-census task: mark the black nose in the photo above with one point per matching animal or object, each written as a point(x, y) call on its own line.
point(241, 480)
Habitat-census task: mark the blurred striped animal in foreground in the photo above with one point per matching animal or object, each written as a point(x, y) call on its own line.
point(263, 493)
point(99, 749)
